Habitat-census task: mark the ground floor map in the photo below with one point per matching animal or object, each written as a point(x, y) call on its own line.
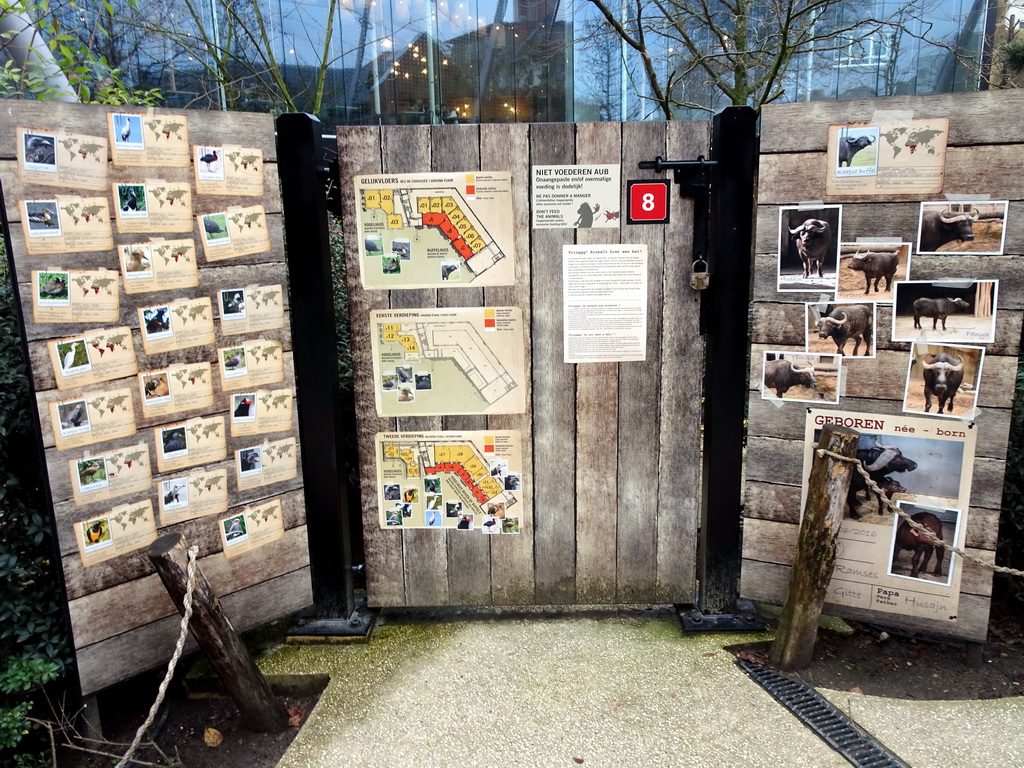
point(468, 481)
point(427, 230)
point(430, 362)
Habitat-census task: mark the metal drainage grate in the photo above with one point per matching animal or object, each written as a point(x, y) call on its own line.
point(838, 731)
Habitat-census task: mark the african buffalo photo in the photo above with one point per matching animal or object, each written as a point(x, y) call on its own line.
point(856, 152)
point(913, 554)
point(841, 329)
point(943, 380)
point(800, 377)
point(947, 311)
point(976, 227)
point(809, 247)
point(867, 271)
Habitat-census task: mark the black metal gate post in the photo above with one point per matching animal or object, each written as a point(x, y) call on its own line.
point(734, 147)
point(303, 169)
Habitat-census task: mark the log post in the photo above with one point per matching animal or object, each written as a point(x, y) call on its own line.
point(827, 490)
point(211, 629)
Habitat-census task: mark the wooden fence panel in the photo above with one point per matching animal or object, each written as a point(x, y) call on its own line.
point(980, 162)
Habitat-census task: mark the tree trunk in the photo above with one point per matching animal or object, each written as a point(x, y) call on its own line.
point(827, 490)
point(213, 632)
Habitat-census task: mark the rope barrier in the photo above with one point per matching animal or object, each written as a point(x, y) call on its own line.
point(193, 551)
point(883, 499)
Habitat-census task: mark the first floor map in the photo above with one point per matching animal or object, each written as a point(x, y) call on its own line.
point(431, 362)
point(428, 230)
point(467, 481)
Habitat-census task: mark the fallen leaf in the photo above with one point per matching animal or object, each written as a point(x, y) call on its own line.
point(578, 760)
point(855, 689)
point(713, 653)
point(212, 737)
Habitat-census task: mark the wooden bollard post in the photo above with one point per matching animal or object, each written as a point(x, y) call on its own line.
point(827, 490)
point(211, 629)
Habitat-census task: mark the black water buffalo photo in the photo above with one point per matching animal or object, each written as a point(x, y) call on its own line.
point(809, 247)
point(801, 377)
point(962, 227)
point(878, 460)
point(840, 324)
point(850, 146)
point(959, 311)
point(875, 266)
point(943, 376)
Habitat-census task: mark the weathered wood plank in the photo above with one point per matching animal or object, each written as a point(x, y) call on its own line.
point(255, 129)
point(639, 389)
point(766, 582)
point(682, 356)
point(149, 647)
point(769, 418)
point(507, 147)
point(554, 386)
point(989, 170)
point(781, 461)
point(781, 503)
point(135, 603)
point(896, 220)
point(597, 428)
point(801, 127)
point(774, 542)
point(359, 153)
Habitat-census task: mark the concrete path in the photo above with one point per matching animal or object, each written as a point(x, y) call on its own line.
point(617, 691)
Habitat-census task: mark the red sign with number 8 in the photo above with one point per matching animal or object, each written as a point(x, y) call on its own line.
point(647, 201)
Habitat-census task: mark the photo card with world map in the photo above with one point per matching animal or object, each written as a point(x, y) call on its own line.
point(65, 224)
point(190, 443)
point(887, 157)
point(153, 205)
point(75, 296)
point(237, 231)
point(181, 324)
point(255, 526)
point(123, 529)
point(409, 224)
point(101, 354)
point(93, 417)
point(148, 139)
point(200, 493)
point(62, 159)
point(178, 388)
point(261, 411)
point(158, 265)
point(111, 474)
point(963, 226)
point(253, 363)
point(251, 309)
point(229, 169)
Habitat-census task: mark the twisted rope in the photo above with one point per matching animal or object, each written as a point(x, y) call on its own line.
point(193, 551)
point(883, 499)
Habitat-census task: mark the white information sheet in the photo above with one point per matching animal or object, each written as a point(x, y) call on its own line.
point(605, 303)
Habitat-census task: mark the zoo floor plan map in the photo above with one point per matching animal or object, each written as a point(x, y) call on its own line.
point(431, 362)
point(427, 230)
point(468, 481)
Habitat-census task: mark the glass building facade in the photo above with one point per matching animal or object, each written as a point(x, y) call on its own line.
point(446, 61)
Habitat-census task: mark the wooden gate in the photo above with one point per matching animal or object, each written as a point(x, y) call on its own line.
point(610, 450)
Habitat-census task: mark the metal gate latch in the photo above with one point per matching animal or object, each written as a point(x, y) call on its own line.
point(699, 277)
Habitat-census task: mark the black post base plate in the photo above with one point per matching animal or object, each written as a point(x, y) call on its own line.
point(745, 619)
point(357, 628)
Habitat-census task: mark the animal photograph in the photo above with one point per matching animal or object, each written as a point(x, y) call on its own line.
point(243, 407)
point(73, 355)
point(92, 473)
point(800, 377)
point(215, 229)
point(173, 442)
point(510, 525)
point(453, 509)
point(250, 461)
point(867, 271)
point(209, 162)
point(156, 322)
point(840, 329)
point(42, 218)
point(235, 530)
point(857, 151)
point(40, 153)
point(977, 227)
point(232, 304)
point(154, 387)
point(233, 360)
point(943, 381)
point(947, 311)
point(52, 289)
point(131, 200)
point(809, 247)
point(174, 494)
point(913, 555)
point(96, 534)
point(137, 260)
point(432, 485)
point(128, 131)
point(74, 417)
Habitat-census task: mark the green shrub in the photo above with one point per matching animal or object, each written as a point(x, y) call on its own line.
point(33, 636)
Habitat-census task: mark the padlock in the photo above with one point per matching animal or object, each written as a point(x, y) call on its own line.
point(699, 277)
